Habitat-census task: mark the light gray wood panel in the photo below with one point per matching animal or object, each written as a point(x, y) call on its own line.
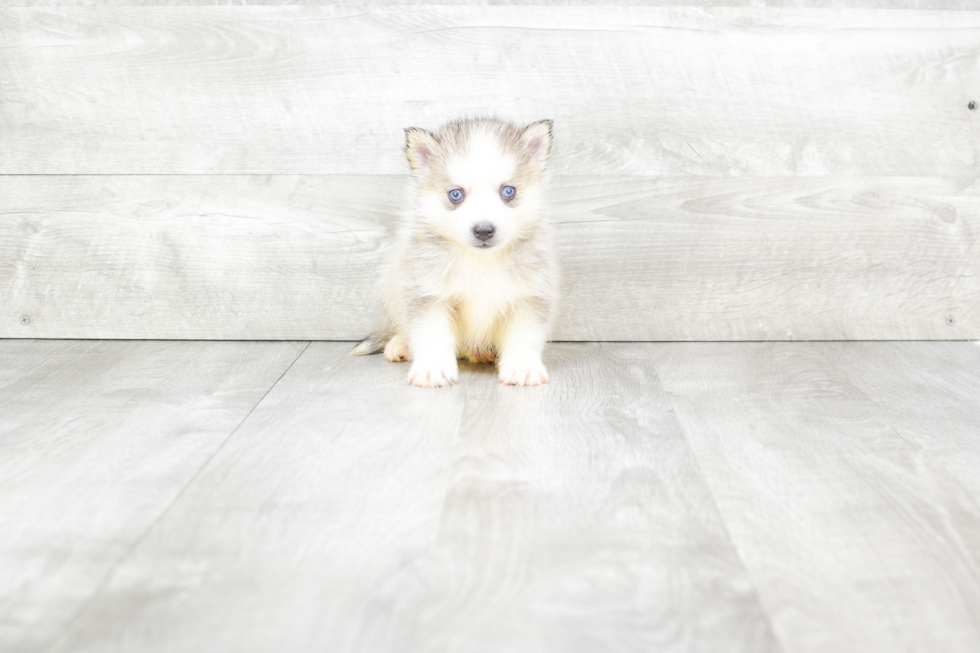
point(856, 534)
point(770, 259)
point(930, 394)
point(194, 257)
point(632, 90)
point(96, 441)
point(296, 257)
point(352, 512)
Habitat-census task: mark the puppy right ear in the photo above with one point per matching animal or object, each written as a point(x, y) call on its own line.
point(420, 147)
point(536, 140)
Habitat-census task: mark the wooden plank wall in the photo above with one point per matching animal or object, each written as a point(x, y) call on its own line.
point(720, 173)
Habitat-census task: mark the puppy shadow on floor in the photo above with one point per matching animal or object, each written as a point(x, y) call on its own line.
point(483, 369)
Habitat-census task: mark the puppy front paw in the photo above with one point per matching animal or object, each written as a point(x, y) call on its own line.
point(523, 373)
point(433, 376)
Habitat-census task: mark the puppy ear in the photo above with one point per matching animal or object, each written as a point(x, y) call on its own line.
point(536, 140)
point(420, 147)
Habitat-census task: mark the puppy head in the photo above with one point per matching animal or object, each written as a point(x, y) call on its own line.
point(480, 180)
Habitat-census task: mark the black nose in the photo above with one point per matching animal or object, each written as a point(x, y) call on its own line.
point(483, 231)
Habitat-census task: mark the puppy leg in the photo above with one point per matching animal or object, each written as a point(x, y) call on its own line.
point(519, 362)
point(433, 349)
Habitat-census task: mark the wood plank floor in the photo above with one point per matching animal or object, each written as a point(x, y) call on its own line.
point(256, 496)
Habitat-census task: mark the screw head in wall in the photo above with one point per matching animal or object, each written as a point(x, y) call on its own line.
point(972, 105)
point(25, 320)
point(950, 321)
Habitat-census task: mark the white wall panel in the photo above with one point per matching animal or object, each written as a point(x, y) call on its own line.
point(633, 90)
point(296, 257)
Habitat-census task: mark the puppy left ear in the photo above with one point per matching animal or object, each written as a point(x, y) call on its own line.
point(420, 148)
point(536, 140)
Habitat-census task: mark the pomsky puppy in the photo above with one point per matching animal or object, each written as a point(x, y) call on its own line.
point(472, 274)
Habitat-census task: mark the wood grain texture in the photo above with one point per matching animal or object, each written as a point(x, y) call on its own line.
point(850, 511)
point(296, 257)
point(96, 441)
point(193, 257)
point(352, 512)
point(724, 91)
point(930, 393)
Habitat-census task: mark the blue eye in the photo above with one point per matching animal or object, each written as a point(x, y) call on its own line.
point(456, 195)
point(508, 192)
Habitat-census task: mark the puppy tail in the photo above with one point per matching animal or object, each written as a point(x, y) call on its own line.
point(373, 344)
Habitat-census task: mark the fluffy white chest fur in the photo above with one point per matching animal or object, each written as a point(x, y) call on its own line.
point(472, 275)
point(484, 293)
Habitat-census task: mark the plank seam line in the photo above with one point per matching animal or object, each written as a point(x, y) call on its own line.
point(149, 529)
point(757, 597)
